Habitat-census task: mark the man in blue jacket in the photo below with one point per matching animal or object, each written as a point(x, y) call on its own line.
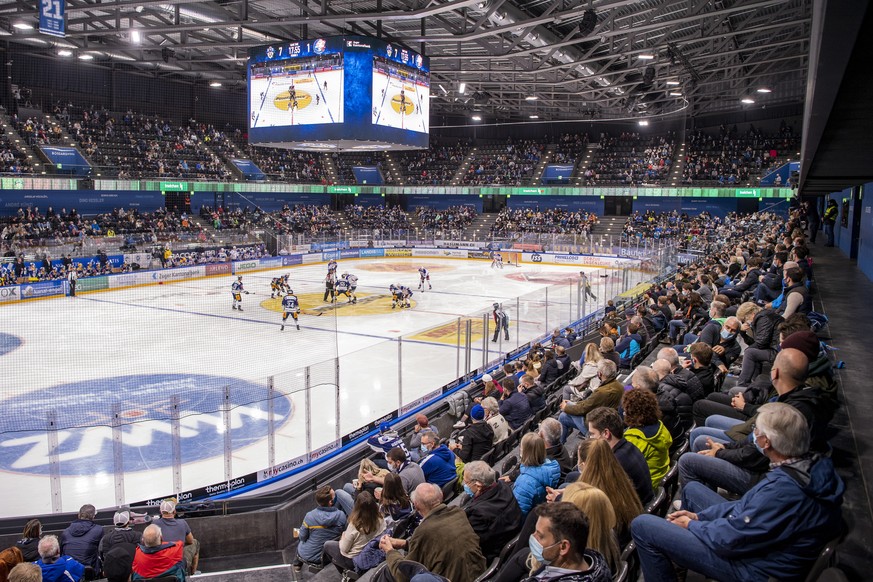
point(437, 462)
point(56, 567)
point(776, 530)
point(322, 524)
point(81, 538)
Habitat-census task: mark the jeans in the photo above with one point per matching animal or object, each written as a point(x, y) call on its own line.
point(752, 360)
point(676, 325)
point(333, 554)
point(829, 231)
point(345, 499)
point(689, 339)
point(569, 422)
point(715, 429)
point(661, 543)
point(714, 473)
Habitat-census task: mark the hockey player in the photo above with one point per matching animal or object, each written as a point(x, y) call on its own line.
point(342, 287)
point(405, 295)
point(353, 285)
point(331, 266)
point(395, 295)
point(290, 306)
point(237, 290)
point(496, 260)
point(501, 321)
point(283, 282)
point(586, 286)
point(329, 282)
point(275, 287)
point(386, 440)
point(425, 276)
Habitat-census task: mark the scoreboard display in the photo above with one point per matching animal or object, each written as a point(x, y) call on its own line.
point(341, 93)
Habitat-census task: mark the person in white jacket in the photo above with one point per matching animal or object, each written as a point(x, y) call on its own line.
point(586, 379)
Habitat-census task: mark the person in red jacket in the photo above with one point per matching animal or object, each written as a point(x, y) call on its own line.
point(156, 559)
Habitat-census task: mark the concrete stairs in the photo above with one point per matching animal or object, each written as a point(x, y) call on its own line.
point(609, 225)
point(480, 228)
point(330, 170)
point(458, 178)
point(537, 176)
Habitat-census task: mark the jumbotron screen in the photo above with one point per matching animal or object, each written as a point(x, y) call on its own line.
point(338, 94)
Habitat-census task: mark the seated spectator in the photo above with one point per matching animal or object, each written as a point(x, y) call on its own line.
point(387, 439)
point(123, 538)
point(422, 425)
point(459, 561)
point(174, 529)
point(365, 466)
point(25, 572)
point(601, 469)
point(550, 431)
point(394, 501)
point(365, 523)
point(515, 407)
point(437, 461)
point(629, 345)
point(29, 543)
point(56, 567)
point(605, 423)
point(410, 473)
point(759, 331)
point(728, 348)
point(678, 390)
point(607, 350)
point(559, 547)
point(477, 439)
point(495, 420)
point(9, 558)
point(587, 378)
point(156, 558)
point(81, 538)
point(320, 525)
point(492, 511)
point(559, 340)
point(608, 394)
point(647, 432)
point(775, 530)
point(597, 508)
point(533, 389)
point(535, 474)
point(700, 364)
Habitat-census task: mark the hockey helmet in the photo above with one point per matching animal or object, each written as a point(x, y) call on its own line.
point(496, 305)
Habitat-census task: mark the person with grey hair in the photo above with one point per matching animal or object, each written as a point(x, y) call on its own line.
point(774, 531)
point(156, 558)
point(55, 566)
point(25, 572)
point(82, 538)
point(495, 420)
point(645, 378)
point(550, 430)
point(492, 511)
point(608, 394)
point(461, 560)
point(728, 349)
point(678, 390)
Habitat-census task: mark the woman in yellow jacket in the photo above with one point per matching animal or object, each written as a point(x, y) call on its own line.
point(646, 431)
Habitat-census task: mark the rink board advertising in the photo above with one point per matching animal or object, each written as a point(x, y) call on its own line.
point(338, 93)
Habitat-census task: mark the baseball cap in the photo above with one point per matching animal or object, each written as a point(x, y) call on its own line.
point(121, 518)
point(168, 506)
point(487, 378)
point(384, 427)
point(477, 412)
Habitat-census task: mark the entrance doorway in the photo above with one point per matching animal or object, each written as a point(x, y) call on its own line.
point(618, 205)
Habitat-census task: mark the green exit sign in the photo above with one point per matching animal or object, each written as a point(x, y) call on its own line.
point(748, 193)
point(174, 186)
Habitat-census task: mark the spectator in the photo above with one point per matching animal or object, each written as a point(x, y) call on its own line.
point(394, 501)
point(759, 331)
point(459, 561)
point(597, 508)
point(477, 439)
point(678, 390)
point(173, 529)
point(605, 423)
point(607, 350)
point(25, 572)
point(156, 558)
point(647, 432)
point(387, 439)
point(410, 473)
point(9, 558)
point(609, 394)
point(536, 473)
point(560, 340)
point(422, 425)
point(29, 543)
point(533, 389)
point(81, 538)
point(775, 530)
point(492, 511)
point(55, 566)
point(700, 365)
point(550, 431)
point(586, 379)
point(122, 538)
point(829, 220)
point(515, 407)
point(365, 523)
point(321, 525)
point(629, 346)
point(437, 461)
point(495, 420)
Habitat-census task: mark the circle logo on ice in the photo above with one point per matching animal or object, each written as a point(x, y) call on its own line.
point(145, 407)
point(9, 343)
point(319, 46)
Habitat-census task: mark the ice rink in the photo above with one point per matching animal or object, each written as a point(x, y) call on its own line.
point(390, 109)
point(318, 95)
point(112, 358)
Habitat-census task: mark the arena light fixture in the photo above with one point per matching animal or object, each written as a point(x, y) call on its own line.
point(215, 84)
point(22, 26)
point(764, 90)
point(672, 82)
point(534, 116)
point(643, 122)
point(531, 98)
point(135, 36)
point(476, 118)
point(86, 57)
point(646, 57)
point(65, 53)
point(462, 87)
point(747, 100)
point(675, 94)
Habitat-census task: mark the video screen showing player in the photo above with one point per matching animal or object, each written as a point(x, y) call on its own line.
point(301, 91)
point(400, 96)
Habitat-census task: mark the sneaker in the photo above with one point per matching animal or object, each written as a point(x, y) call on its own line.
point(282, 328)
point(315, 567)
point(298, 328)
point(677, 505)
point(197, 573)
point(459, 424)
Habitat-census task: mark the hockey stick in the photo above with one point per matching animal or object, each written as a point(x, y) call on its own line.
point(312, 313)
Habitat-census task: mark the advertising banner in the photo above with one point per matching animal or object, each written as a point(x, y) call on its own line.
point(92, 283)
point(243, 266)
point(265, 474)
point(439, 253)
point(8, 294)
point(372, 252)
point(398, 252)
point(271, 262)
point(43, 289)
point(479, 254)
point(128, 280)
point(527, 247)
point(357, 244)
point(176, 274)
point(371, 426)
point(325, 450)
point(349, 254)
point(313, 258)
point(330, 255)
point(389, 243)
point(219, 269)
point(292, 260)
point(141, 259)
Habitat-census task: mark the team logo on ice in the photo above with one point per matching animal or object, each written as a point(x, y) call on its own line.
point(9, 343)
point(319, 46)
point(271, 52)
point(145, 407)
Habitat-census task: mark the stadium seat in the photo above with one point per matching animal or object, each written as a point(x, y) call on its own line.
point(622, 572)
point(629, 558)
point(671, 481)
point(497, 562)
point(659, 504)
point(449, 490)
point(409, 568)
point(832, 575)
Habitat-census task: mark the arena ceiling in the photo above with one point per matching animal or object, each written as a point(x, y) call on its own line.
point(514, 59)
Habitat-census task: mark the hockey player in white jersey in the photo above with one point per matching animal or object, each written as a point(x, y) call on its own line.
point(424, 278)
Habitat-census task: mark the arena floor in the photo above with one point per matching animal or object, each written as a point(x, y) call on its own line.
point(119, 356)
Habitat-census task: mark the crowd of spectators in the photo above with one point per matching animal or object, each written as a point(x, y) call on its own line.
point(435, 166)
point(377, 217)
point(288, 165)
point(570, 148)
point(509, 164)
point(631, 159)
point(12, 160)
point(37, 131)
point(730, 157)
point(299, 219)
point(550, 220)
point(668, 225)
point(451, 218)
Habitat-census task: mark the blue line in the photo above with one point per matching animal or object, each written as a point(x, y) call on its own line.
point(318, 86)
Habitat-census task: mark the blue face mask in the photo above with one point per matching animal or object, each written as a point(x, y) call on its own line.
point(536, 550)
point(424, 449)
point(757, 446)
point(726, 334)
point(469, 491)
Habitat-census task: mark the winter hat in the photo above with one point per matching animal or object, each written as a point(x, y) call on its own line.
point(805, 341)
point(477, 412)
point(487, 378)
